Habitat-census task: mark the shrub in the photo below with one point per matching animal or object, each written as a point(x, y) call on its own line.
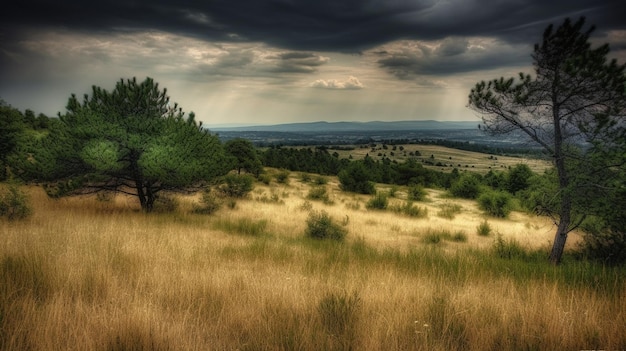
point(265, 179)
point(14, 203)
point(245, 226)
point(356, 178)
point(237, 185)
point(305, 177)
point(601, 243)
point(410, 210)
point(209, 203)
point(509, 249)
point(321, 180)
point(416, 193)
point(377, 202)
point(495, 203)
point(282, 177)
point(321, 226)
point(393, 190)
point(467, 187)
point(483, 229)
point(318, 193)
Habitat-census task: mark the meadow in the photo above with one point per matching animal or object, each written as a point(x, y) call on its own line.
point(98, 274)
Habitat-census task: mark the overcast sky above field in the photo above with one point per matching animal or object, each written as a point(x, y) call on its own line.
point(282, 61)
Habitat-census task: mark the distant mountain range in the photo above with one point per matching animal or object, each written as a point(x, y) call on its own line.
point(317, 127)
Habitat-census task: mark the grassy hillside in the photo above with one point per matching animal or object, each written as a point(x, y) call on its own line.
point(83, 274)
point(447, 158)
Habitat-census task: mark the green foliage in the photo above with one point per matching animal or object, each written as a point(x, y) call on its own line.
point(321, 226)
point(378, 202)
point(495, 203)
point(575, 97)
point(244, 226)
point(265, 179)
point(509, 249)
point(468, 186)
point(282, 177)
point(319, 193)
point(541, 197)
point(603, 243)
point(409, 209)
point(355, 178)
point(236, 185)
point(416, 193)
point(437, 236)
point(321, 180)
point(131, 140)
point(483, 229)
point(518, 178)
point(209, 203)
point(14, 203)
point(11, 126)
point(245, 155)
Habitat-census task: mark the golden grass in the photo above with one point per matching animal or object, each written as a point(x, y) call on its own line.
point(87, 275)
point(452, 158)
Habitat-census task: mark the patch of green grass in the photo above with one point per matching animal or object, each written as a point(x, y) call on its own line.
point(437, 236)
point(449, 210)
point(244, 226)
point(410, 210)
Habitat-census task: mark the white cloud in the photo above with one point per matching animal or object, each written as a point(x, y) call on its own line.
point(352, 83)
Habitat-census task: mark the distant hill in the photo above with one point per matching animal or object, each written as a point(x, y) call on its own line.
point(317, 127)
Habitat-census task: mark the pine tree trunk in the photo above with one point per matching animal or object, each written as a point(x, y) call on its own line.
point(562, 230)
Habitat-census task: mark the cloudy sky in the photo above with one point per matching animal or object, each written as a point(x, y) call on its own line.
point(282, 61)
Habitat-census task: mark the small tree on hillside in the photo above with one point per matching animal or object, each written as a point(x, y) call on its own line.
point(245, 155)
point(574, 104)
point(129, 140)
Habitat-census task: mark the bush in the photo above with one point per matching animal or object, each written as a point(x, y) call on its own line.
point(495, 203)
point(483, 229)
point(321, 226)
point(282, 177)
point(377, 202)
point(321, 180)
point(601, 243)
point(237, 185)
point(509, 249)
point(416, 193)
point(14, 203)
point(265, 179)
point(410, 210)
point(467, 187)
point(209, 203)
point(318, 193)
point(356, 178)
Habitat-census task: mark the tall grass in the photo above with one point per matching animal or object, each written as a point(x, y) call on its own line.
point(86, 275)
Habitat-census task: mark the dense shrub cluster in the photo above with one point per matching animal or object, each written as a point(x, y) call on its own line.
point(495, 203)
point(237, 185)
point(321, 226)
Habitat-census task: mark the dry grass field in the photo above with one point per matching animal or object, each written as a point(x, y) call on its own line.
point(448, 157)
point(83, 274)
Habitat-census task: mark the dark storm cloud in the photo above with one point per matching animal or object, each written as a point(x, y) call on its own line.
point(323, 25)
